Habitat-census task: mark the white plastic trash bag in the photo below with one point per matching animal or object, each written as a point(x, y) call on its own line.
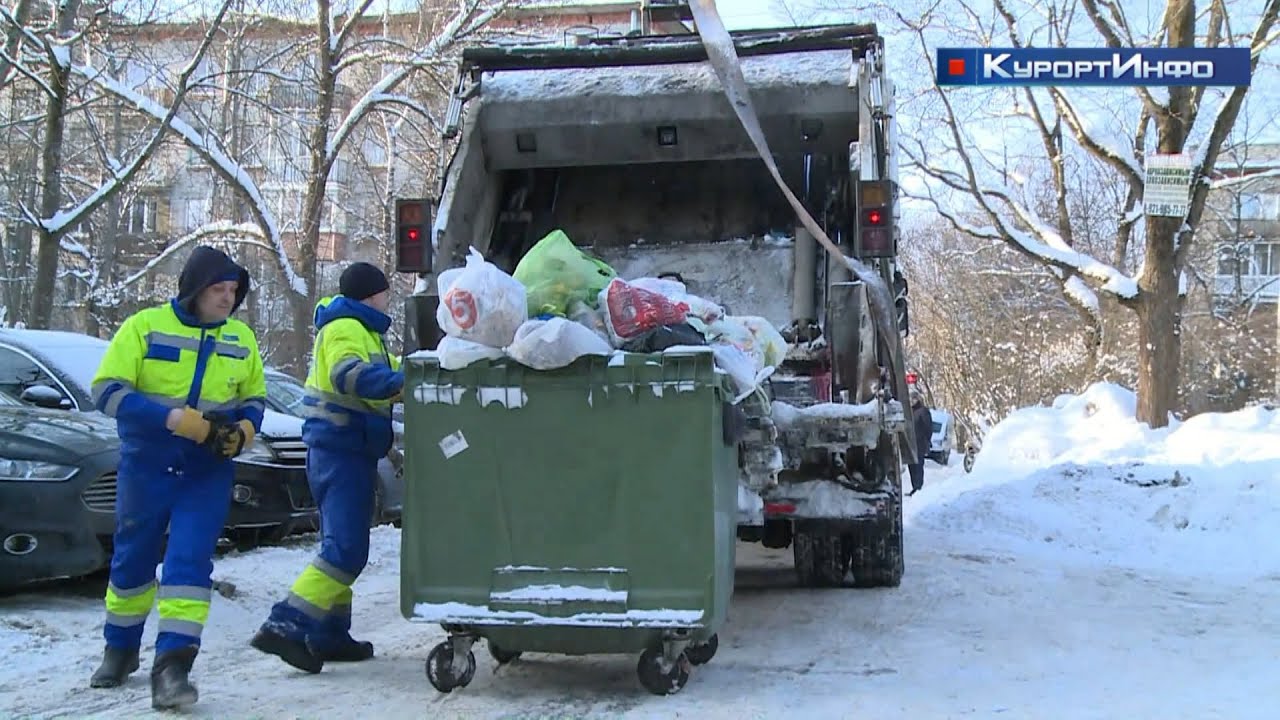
point(770, 343)
point(481, 303)
point(456, 353)
point(590, 318)
point(740, 368)
point(753, 335)
point(732, 331)
point(555, 343)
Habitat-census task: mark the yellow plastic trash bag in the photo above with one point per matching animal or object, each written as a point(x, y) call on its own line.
point(555, 272)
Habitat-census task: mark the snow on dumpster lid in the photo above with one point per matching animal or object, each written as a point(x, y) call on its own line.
point(454, 612)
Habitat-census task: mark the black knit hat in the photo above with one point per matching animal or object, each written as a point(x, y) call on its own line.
point(361, 280)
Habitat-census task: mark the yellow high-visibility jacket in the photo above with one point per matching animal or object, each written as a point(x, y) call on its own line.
point(352, 380)
point(162, 358)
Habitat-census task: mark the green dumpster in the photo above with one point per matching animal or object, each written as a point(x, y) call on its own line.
point(588, 509)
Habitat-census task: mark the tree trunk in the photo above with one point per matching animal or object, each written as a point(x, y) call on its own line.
point(313, 205)
point(1159, 325)
point(107, 249)
point(42, 299)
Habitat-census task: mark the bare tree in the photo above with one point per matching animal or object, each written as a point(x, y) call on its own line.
point(990, 329)
point(962, 155)
point(314, 61)
point(51, 52)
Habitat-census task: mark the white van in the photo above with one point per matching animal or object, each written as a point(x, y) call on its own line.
point(943, 440)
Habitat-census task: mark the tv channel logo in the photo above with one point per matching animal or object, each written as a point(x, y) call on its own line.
point(1099, 67)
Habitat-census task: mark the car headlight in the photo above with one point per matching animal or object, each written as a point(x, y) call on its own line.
point(259, 451)
point(34, 470)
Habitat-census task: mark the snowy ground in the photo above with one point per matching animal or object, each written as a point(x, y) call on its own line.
point(1088, 568)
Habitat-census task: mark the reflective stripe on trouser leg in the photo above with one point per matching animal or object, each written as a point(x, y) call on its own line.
point(184, 609)
point(199, 514)
point(340, 615)
point(142, 510)
point(127, 608)
point(319, 588)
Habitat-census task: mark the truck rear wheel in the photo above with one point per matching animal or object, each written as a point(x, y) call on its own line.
point(819, 558)
point(875, 556)
point(874, 550)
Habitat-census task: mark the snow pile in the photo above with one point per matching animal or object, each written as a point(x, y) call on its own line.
point(1095, 426)
point(1085, 477)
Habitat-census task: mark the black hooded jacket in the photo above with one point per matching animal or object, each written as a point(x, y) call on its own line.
point(208, 266)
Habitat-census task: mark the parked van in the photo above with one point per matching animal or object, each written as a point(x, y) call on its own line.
point(944, 436)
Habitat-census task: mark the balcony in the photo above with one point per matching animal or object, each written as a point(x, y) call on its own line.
point(1262, 287)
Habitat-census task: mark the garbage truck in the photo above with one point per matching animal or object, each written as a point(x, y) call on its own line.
point(631, 145)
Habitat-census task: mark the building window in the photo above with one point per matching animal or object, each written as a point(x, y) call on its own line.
point(196, 212)
point(140, 215)
point(288, 157)
point(1259, 206)
point(1265, 260)
point(1228, 261)
point(328, 248)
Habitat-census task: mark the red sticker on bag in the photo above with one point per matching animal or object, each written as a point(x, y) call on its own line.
point(462, 307)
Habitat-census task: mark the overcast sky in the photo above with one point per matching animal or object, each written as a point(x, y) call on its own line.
point(743, 14)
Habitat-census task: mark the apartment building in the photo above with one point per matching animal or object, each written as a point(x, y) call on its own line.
point(1242, 231)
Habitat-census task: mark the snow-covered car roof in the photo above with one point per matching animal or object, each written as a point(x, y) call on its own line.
point(77, 357)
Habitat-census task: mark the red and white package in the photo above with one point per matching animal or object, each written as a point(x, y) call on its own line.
point(630, 311)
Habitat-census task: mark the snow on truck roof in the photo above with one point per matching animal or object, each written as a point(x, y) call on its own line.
point(811, 68)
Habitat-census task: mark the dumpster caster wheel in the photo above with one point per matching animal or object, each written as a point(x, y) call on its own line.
point(441, 671)
point(702, 654)
point(502, 655)
point(659, 676)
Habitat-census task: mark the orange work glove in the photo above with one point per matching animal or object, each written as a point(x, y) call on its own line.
point(189, 424)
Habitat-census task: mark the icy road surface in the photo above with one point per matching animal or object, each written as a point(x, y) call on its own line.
point(973, 632)
point(1089, 567)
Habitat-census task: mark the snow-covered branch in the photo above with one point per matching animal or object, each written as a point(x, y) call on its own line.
point(22, 70)
point(463, 22)
point(1124, 164)
point(232, 172)
point(1046, 246)
point(339, 40)
point(245, 233)
point(57, 224)
point(1241, 179)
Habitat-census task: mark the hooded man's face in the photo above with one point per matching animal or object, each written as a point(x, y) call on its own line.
point(215, 302)
point(380, 301)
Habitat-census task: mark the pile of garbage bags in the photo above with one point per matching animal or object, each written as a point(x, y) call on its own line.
point(562, 304)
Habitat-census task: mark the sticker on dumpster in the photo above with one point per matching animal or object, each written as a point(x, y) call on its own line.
point(453, 443)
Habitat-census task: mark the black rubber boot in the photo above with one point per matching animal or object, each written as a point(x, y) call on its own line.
point(170, 684)
point(346, 649)
point(294, 652)
point(117, 665)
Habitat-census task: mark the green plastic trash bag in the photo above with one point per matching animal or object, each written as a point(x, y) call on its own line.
point(555, 273)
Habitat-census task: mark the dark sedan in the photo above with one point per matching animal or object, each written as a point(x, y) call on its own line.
point(271, 498)
point(50, 461)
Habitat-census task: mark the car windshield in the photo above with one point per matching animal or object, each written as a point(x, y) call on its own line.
point(286, 391)
point(937, 427)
